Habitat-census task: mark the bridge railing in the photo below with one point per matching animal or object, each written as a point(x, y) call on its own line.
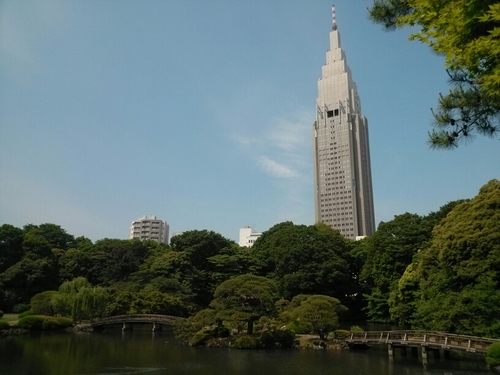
point(424, 338)
point(137, 318)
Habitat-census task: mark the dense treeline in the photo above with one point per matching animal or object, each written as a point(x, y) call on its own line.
point(440, 271)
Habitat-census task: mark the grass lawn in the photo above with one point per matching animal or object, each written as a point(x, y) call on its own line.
point(12, 319)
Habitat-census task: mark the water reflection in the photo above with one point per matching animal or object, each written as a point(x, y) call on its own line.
point(143, 352)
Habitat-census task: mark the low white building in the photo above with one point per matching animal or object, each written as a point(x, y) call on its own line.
point(149, 228)
point(248, 236)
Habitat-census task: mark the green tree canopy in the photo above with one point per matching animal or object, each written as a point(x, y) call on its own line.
point(11, 246)
point(318, 312)
point(199, 246)
point(305, 260)
point(389, 251)
point(453, 285)
point(467, 34)
point(114, 260)
point(247, 296)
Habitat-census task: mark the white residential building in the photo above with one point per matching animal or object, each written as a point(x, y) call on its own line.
point(248, 236)
point(149, 228)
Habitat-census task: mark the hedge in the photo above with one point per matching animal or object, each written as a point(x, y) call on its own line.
point(42, 322)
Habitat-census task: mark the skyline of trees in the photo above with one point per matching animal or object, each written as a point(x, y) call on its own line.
point(431, 271)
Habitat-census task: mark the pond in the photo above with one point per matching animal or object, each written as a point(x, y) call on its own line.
point(159, 353)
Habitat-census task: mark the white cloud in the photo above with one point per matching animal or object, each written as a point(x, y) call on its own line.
point(289, 135)
point(276, 169)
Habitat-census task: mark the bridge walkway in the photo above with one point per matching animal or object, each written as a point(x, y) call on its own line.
point(422, 339)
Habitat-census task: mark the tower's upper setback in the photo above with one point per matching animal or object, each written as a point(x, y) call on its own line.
point(342, 172)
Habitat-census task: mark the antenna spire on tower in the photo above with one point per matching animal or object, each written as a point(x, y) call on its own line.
point(334, 19)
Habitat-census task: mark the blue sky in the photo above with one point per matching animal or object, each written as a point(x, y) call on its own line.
point(200, 112)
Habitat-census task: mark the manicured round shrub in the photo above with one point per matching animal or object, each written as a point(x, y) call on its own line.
point(356, 329)
point(64, 322)
point(42, 322)
point(31, 322)
point(493, 354)
point(245, 342)
point(341, 334)
point(50, 324)
point(1, 313)
point(4, 325)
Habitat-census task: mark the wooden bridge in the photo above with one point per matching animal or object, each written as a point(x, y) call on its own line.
point(426, 340)
point(128, 320)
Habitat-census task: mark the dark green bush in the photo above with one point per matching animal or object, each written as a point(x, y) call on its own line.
point(357, 329)
point(42, 322)
point(17, 309)
point(341, 334)
point(267, 339)
point(31, 322)
point(26, 313)
point(64, 322)
point(4, 325)
point(245, 342)
point(297, 327)
point(222, 332)
point(202, 336)
point(284, 339)
point(1, 313)
point(493, 354)
point(50, 324)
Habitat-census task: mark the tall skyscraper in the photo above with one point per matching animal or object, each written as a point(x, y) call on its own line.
point(149, 228)
point(343, 196)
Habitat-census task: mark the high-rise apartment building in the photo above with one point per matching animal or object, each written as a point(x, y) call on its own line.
point(149, 228)
point(343, 196)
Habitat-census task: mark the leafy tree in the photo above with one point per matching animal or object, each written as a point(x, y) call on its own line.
point(27, 278)
point(453, 284)
point(57, 237)
point(459, 273)
point(81, 300)
point(155, 302)
point(390, 250)
point(305, 260)
point(231, 262)
point(387, 254)
point(11, 246)
point(74, 263)
point(36, 246)
point(114, 260)
point(245, 297)
point(466, 33)
point(68, 301)
point(318, 312)
point(199, 247)
point(44, 303)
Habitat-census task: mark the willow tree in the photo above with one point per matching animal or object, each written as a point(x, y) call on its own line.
point(81, 300)
point(467, 34)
